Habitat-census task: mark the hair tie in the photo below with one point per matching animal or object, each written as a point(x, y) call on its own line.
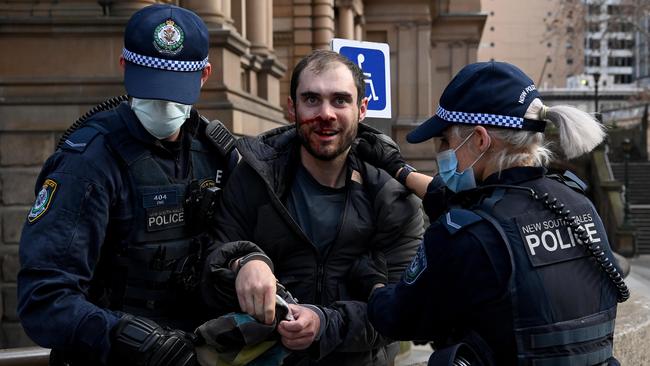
point(543, 112)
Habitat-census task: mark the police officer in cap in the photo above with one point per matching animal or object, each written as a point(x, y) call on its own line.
point(109, 259)
point(515, 268)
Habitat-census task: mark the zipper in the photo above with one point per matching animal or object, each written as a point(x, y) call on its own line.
point(319, 282)
point(321, 265)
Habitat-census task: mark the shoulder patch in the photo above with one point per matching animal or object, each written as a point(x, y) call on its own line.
point(455, 219)
point(43, 200)
point(417, 266)
point(80, 139)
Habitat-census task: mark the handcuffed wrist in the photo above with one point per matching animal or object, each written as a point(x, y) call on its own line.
point(254, 256)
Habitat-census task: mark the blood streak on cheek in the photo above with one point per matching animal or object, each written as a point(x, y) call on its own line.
point(310, 120)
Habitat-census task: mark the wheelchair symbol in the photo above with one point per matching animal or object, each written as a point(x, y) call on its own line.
point(360, 59)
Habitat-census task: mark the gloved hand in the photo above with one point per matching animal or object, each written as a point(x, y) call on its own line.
point(366, 272)
point(142, 342)
point(380, 151)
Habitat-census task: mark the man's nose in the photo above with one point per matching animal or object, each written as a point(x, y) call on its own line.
point(327, 112)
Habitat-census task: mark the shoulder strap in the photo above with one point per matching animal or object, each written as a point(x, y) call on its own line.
point(103, 106)
point(570, 180)
point(80, 139)
point(456, 219)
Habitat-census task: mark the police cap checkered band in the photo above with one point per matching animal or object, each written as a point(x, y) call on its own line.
point(491, 119)
point(480, 118)
point(491, 93)
point(164, 64)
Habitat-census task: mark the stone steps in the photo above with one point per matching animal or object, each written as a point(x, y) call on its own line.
point(638, 178)
point(640, 218)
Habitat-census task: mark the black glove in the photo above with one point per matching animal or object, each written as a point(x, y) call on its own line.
point(366, 272)
point(380, 151)
point(141, 342)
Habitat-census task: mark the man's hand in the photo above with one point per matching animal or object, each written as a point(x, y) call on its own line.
point(301, 332)
point(255, 285)
point(380, 151)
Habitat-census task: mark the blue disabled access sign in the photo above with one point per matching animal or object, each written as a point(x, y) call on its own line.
point(374, 59)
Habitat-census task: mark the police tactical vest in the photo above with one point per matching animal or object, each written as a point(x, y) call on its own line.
point(152, 250)
point(563, 304)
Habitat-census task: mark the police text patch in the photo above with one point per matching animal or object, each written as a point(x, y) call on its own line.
point(161, 219)
point(43, 200)
point(549, 239)
point(417, 266)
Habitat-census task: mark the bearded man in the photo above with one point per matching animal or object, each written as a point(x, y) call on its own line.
point(313, 208)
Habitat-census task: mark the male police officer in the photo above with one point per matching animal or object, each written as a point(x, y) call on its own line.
point(107, 251)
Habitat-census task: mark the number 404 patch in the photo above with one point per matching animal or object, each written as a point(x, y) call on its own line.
point(43, 200)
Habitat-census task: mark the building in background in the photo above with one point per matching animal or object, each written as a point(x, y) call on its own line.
point(61, 58)
point(642, 60)
point(537, 36)
point(610, 42)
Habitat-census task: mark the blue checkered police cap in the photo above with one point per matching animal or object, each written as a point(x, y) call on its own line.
point(485, 93)
point(165, 49)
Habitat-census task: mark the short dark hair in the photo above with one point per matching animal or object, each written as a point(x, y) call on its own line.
point(320, 60)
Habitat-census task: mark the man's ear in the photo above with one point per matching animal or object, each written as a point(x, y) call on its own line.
point(205, 74)
point(363, 108)
point(122, 62)
point(291, 110)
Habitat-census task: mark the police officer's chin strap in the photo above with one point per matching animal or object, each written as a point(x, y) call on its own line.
point(552, 204)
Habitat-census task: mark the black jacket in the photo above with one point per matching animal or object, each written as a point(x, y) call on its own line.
point(379, 214)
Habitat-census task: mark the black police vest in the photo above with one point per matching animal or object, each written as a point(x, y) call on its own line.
point(563, 305)
point(152, 262)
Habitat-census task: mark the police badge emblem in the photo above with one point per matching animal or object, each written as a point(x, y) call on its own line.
point(417, 266)
point(43, 200)
point(168, 38)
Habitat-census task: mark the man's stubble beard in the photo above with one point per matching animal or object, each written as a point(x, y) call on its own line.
point(346, 142)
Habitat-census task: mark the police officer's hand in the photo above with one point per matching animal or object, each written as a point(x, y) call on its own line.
point(142, 342)
point(255, 285)
point(367, 272)
point(381, 151)
point(301, 332)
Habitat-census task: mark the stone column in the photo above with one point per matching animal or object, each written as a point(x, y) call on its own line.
point(67, 8)
point(127, 7)
point(346, 22)
point(238, 14)
point(269, 24)
point(323, 11)
point(358, 27)
point(257, 26)
point(211, 11)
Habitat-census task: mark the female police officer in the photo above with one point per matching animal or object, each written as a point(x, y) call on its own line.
point(517, 268)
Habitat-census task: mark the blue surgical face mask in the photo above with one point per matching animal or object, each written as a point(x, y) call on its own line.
point(448, 163)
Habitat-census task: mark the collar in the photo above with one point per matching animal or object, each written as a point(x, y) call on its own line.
point(515, 175)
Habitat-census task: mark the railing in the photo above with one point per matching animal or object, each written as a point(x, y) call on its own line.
point(610, 203)
point(26, 356)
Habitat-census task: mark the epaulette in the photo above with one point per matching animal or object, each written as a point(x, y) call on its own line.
point(571, 180)
point(456, 219)
point(80, 139)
